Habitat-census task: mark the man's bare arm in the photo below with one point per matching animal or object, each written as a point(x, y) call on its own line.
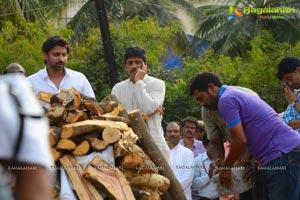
point(33, 183)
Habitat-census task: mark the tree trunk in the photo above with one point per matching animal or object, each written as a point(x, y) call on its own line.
point(150, 148)
point(107, 44)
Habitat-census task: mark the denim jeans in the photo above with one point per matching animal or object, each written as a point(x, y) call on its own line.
point(279, 179)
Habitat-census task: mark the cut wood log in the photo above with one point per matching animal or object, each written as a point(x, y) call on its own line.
point(121, 148)
point(111, 118)
point(54, 135)
point(88, 126)
point(131, 160)
point(84, 189)
point(70, 99)
point(153, 181)
point(55, 114)
point(130, 135)
point(66, 144)
point(145, 193)
point(113, 113)
point(110, 178)
point(151, 194)
point(147, 167)
point(82, 149)
point(121, 108)
point(72, 116)
point(107, 106)
point(111, 135)
point(97, 144)
point(44, 96)
point(56, 154)
point(93, 107)
point(150, 148)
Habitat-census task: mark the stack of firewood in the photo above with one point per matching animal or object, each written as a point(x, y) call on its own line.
point(81, 125)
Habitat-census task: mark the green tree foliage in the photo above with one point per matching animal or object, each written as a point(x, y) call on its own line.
point(23, 44)
point(256, 71)
point(232, 37)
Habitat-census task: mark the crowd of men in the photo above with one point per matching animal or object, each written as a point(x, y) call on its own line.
point(238, 129)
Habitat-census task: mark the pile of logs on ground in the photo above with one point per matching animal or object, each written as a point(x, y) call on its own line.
point(81, 125)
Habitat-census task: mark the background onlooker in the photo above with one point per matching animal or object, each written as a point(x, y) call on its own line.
point(14, 68)
point(182, 159)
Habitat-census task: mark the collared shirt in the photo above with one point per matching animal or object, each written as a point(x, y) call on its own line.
point(40, 81)
point(291, 113)
point(145, 95)
point(197, 147)
point(201, 182)
point(182, 162)
point(267, 135)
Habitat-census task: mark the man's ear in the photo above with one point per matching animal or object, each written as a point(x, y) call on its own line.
point(212, 89)
point(297, 69)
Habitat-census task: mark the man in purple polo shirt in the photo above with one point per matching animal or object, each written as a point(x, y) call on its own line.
point(255, 126)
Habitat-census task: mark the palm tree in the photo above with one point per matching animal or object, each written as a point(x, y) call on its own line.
point(232, 36)
point(120, 10)
point(20, 11)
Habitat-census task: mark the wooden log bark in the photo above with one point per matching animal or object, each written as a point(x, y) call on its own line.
point(87, 126)
point(111, 118)
point(83, 188)
point(155, 182)
point(150, 148)
point(54, 135)
point(121, 108)
point(109, 178)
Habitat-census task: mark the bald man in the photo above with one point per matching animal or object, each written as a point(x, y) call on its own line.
point(182, 159)
point(14, 68)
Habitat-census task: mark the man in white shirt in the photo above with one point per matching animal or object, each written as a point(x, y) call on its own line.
point(182, 159)
point(56, 77)
point(24, 144)
point(202, 183)
point(143, 92)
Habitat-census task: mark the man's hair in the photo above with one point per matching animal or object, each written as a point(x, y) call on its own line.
point(201, 81)
point(51, 42)
point(189, 119)
point(287, 65)
point(135, 51)
point(14, 68)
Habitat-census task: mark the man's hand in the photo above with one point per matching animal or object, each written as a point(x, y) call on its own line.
point(225, 178)
point(160, 110)
point(141, 72)
point(290, 94)
point(214, 166)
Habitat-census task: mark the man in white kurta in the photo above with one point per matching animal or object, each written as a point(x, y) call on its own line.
point(182, 159)
point(143, 92)
point(33, 159)
point(56, 77)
